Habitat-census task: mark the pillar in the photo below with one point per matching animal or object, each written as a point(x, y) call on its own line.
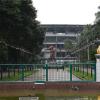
point(97, 67)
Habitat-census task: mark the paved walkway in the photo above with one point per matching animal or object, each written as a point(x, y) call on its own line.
point(53, 75)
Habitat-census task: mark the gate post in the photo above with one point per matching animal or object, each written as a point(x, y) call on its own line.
point(98, 65)
point(22, 72)
point(70, 72)
point(95, 72)
point(46, 66)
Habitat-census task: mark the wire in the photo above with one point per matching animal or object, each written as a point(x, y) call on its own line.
point(20, 49)
point(86, 46)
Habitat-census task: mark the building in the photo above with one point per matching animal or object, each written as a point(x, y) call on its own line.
point(56, 35)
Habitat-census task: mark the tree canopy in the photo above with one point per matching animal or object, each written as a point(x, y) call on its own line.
point(87, 41)
point(19, 27)
point(68, 44)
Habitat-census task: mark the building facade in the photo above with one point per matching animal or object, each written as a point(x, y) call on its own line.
point(56, 35)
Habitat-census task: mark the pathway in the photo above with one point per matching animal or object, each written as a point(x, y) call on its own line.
point(53, 75)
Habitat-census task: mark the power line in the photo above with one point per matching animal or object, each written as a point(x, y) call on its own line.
point(86, 46)
point(20, 49)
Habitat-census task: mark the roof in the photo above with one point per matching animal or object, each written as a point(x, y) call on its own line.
point(63, 28)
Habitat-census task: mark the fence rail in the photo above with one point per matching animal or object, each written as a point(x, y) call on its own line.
point(48, 72)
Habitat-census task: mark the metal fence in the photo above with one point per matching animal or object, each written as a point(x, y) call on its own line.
point(48, 72)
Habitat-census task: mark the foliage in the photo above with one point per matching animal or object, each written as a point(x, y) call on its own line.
point(9, 98)
point(3, 53)
point(16, 77)
point(19, 27)
point(84, 76)
point(90, 34)
point(86, 37)
point(68, 45)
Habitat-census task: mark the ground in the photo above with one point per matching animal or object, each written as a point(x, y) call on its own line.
point(48, 92)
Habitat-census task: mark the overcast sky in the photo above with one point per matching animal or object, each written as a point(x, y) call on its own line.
point(66, 11)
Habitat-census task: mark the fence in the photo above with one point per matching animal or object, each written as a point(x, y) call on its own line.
point(48, 72)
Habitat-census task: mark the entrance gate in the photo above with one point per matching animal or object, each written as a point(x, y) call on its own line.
point(48, 72)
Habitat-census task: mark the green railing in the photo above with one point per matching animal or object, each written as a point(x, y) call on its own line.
point(22, 72)
point(83, 71)
point(48, 72)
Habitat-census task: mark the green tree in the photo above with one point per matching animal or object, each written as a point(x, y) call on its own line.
point(68, 45)
point(19, 27)
point(87, 36)
point(96, 28)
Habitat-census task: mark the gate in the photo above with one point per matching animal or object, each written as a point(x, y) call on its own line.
point(48, 72)
point(23, 72)
point(83, 72)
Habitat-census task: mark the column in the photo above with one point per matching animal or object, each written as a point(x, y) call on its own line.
point(97, 67)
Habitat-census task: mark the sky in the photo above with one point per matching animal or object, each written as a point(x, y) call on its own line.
point(66, 11)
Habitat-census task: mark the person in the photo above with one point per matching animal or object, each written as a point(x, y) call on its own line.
point(52, 53)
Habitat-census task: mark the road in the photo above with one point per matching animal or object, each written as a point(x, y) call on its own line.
point(53, 75)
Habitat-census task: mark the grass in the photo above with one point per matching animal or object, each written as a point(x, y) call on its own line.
point(42, 97)
point(84, 76)
point(17, 76)
point(9, 98)
point(72, 98)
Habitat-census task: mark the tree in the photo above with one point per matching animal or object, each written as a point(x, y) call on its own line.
point(90, 34)
point(68, 44)
point(86, 37)
point(19, 27)
point(97, 19)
